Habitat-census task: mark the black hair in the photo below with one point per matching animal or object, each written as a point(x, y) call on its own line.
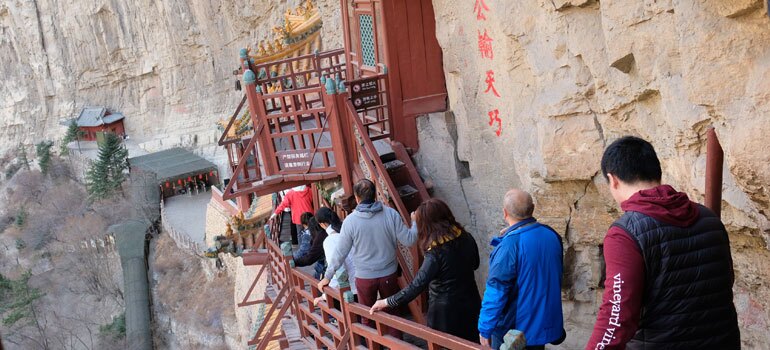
point(365, 190)
point(314, 227)
point(631, 160)
point(325, 215)
point(304, 219)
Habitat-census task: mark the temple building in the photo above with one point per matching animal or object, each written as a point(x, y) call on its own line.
point(95, 121)
point(176, 171)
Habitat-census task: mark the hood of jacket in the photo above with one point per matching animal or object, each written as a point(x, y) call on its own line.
point(367, 210)
point(664, 203)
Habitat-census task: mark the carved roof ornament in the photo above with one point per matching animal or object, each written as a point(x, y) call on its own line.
point(297, 34)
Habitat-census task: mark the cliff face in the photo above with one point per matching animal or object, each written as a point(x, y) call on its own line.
point(167, 65)
point(573, 75)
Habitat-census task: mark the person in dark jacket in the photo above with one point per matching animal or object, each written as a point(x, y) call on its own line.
point(451, 256)
point(668, 264)
point(523, 288)
point(305, 237)
point(316, 252)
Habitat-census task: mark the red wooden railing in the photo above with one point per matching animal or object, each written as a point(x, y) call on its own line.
point(291, 140)
point(408, 258)
point(295, 293)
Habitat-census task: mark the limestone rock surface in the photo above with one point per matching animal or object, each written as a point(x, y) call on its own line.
point(166, 65)
point(573, 76)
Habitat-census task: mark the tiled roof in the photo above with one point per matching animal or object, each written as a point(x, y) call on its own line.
point(172, 164)
point(97, 116)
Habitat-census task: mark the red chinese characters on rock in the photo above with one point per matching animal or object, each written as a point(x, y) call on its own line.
point(485, 49)
point(485, 45)
point(494, 117)
point(480, 7)
point(491, 83)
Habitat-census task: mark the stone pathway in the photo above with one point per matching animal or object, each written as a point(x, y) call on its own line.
point(187, 214)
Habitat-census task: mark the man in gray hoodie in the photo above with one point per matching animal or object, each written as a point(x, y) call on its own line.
point(372, 231)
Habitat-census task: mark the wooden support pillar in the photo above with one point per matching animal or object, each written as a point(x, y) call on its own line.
point(242, 202)
point(257, 113)
point(341, 134)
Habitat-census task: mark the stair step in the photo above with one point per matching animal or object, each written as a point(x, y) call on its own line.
point(406, 191)
point(384, 150)
point(270, 293)
point(291, 330)
point(393, 165)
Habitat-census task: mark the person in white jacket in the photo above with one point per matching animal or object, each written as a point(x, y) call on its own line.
point(332, 224)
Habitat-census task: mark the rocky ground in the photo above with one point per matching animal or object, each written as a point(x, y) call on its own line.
point(47, 230)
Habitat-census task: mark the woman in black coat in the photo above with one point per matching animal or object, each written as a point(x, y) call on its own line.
point(451, 256)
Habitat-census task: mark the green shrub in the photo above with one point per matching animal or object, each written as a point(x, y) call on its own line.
point(21, 218)
point(116, 328)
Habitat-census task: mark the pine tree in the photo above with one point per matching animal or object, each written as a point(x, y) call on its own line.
point(105, 176)
point(73, 133)
point(43, 152)
point(18, 309)
point(21, 154)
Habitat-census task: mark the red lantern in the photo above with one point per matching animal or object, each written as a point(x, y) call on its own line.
point(179, 182)
point(168, 184)
point(211, 173)
point(189, 178)
point(200, 176)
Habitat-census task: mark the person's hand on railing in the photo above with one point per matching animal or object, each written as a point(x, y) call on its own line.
point(272, 217)
point(323, 283)
point(379, 305)
point(484, 342)
point(318, 300)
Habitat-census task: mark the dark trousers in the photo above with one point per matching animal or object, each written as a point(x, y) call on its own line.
point(288, 229)
point(368, 289)
point(497, 341)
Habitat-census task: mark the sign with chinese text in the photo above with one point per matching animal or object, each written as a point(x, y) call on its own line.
point(295, 159)
point(365, 93)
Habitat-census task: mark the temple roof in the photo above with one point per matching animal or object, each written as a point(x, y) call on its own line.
point(172, 164)
point(97, 116)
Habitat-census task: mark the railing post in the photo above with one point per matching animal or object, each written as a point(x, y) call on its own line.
point(255, 112)
point(714, 166)
point(347, 297)
point(334, 98)
point(288, 260)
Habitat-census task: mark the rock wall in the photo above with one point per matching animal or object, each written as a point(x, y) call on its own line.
point(167, 65)
point(573, 75)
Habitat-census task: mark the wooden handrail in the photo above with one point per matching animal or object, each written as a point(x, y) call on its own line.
point(325, 54)
point(375, 165)
point(431, 336)
point(377, 169)
point(296, 290)
point(222, 138)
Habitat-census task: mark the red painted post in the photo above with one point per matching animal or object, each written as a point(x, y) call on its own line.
point(714, 166)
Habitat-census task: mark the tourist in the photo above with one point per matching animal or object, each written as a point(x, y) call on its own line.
point(668, 264)
point(523, 289)
point(304, 237)
point(372, 231)
point(316, 252)
point(451, 256)
point(330, 222)
point(298, 200)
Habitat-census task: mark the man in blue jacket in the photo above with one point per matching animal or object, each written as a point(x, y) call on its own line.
point(523, 289)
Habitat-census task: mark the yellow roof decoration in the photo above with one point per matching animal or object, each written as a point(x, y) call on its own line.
point(299, 35)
